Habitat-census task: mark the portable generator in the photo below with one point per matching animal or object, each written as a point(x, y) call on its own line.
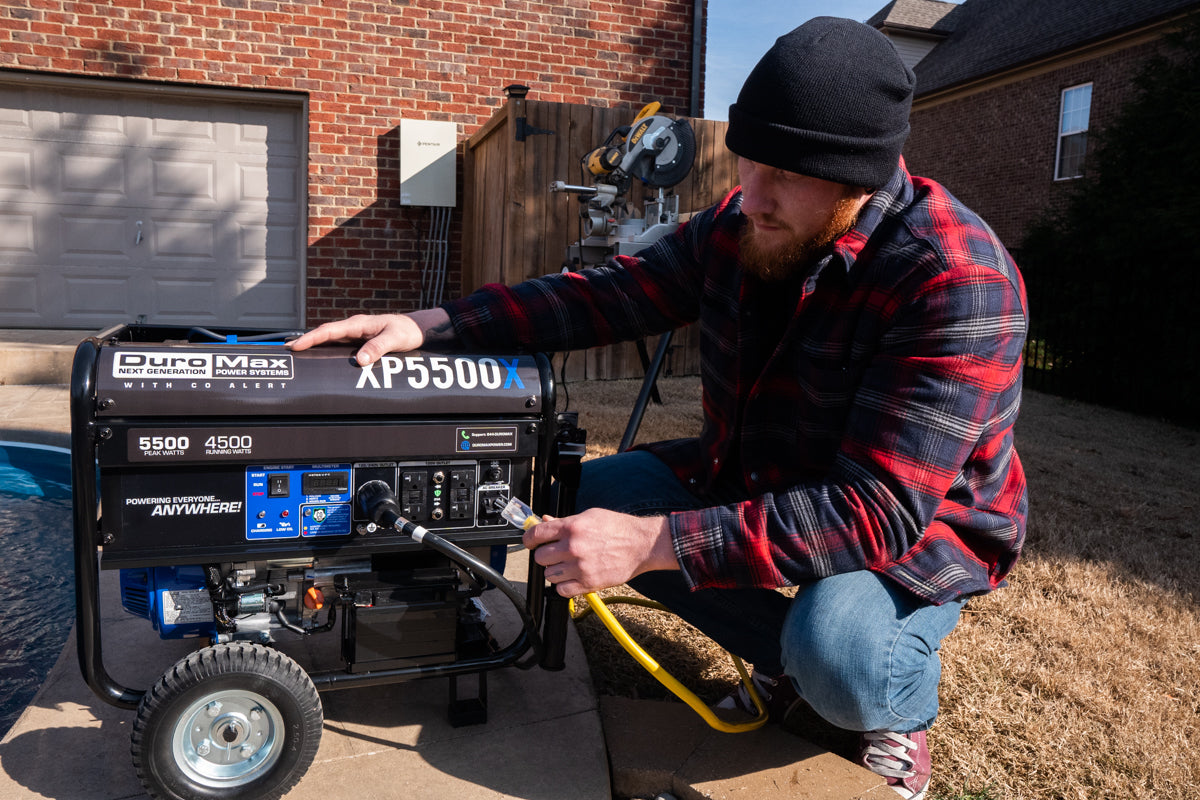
point(238, 488)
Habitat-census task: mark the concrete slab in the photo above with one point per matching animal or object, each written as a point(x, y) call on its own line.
point(540, 761)
point(43, 336)
point(32, 357)
point(42, 412)
point(657, 746)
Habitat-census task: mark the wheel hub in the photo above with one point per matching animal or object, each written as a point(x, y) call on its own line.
point(228, 739)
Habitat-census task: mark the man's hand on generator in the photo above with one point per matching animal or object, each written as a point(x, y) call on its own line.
point(382, 333)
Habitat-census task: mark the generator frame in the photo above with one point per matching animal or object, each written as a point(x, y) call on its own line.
point(97, 424)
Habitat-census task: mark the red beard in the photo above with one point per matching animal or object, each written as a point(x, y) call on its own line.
point(773, 262)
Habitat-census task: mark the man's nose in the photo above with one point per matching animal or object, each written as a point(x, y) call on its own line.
point(755, 200)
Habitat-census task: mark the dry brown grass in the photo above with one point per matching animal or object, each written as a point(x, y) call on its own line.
point(1081, 679)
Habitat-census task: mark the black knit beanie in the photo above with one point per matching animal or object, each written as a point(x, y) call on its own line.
point(830, 100)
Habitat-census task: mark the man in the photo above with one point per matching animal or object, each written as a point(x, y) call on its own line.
point(861, 339)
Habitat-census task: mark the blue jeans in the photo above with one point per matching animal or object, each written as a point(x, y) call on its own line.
point(859, 649)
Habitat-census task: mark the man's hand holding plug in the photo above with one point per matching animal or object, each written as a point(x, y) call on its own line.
point(597, 549)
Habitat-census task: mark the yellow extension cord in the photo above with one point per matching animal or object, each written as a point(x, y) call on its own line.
point(521, 516)
point(600, 608)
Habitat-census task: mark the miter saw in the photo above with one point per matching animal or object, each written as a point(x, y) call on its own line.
point(658, 151)
point(654, 149)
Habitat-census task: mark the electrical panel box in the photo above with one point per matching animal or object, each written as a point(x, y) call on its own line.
point(427, 162)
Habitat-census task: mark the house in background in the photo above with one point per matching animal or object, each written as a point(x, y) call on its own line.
point(1008, 91)
point(227, 162)
point(915, 26)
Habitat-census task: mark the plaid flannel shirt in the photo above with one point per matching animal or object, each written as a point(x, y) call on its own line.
point(879, 433)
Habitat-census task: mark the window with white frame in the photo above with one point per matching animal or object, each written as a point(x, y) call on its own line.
point(1073, 117)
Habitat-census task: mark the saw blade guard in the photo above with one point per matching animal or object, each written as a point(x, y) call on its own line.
point(660, 151)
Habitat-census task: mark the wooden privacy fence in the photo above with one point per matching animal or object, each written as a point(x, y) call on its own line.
point(515, 228)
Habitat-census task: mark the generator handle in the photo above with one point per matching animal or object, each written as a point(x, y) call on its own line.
point(535, 581)
point(84, 505)
point(570, 448)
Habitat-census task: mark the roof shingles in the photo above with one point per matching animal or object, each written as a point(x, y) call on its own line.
point(992, 35)
point(935, 16)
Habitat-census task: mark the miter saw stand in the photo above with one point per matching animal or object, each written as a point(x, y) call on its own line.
point(609, 231)
point(658, 151)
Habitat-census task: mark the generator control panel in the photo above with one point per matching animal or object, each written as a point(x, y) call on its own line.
point(288, 501)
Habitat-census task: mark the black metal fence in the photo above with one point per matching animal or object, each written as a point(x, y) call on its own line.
point(1133, 348)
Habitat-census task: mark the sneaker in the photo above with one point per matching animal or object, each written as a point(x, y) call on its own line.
point(777, 693)
point(902, 758)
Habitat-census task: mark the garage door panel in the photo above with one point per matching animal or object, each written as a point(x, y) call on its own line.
point(96, 175)
point(258, 182)
point(184, 299)
point(177, 181)
point(17, 234)
point(266, 303)
point(19, 107)
point(89, 115)
point(175, 124)
point(19, 294)
point(92, 236)
point(16, 173)
point(15, 115)
point(275, 127)
point(177, 239)
point(92, 295)
point(268, 244)
point(255, 183)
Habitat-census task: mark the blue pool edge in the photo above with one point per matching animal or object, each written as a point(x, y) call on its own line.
point(28, 437)
point(59, 443)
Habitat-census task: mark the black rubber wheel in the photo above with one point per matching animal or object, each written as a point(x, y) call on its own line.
point(230, 721)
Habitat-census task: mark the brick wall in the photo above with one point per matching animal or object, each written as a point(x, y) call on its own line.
point(995, 149)
point(364, 65)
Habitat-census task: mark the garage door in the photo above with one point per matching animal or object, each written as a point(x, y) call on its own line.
point(119, 207)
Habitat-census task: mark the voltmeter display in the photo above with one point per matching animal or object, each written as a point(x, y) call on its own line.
point(325, 482)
